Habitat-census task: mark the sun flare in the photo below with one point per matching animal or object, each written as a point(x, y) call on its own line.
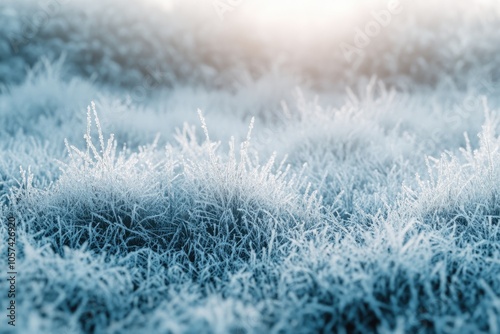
point(302, 11)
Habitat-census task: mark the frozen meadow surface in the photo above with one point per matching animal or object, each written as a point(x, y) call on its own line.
point(219, 192)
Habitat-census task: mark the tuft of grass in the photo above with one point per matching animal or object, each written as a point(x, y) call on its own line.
point(209, 206)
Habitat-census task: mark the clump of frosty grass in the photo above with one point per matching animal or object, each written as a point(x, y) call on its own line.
point(204, 206)
point(192, 238)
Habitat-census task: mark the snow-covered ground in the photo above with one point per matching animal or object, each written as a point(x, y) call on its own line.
point(189, 167)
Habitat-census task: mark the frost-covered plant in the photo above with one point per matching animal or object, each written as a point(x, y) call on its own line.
point(195, 200)
point(461, 190)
